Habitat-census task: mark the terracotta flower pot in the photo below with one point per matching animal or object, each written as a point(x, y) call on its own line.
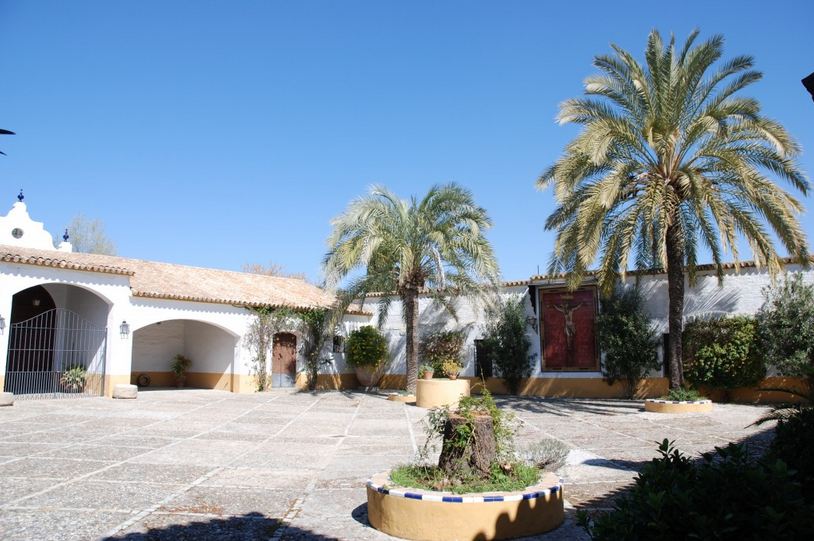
point(452, 376)
point(427, 374)
point(368, 376)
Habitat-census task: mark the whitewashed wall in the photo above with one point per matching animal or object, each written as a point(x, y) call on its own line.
point(740, 293)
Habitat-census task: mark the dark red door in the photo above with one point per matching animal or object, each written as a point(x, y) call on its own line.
point(569, 342)
point(283, 360)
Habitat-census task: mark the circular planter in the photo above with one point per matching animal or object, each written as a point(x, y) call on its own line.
point(439, 516)
point(657, 405)
point(432, 393)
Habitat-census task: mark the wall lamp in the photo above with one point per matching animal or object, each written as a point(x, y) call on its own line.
point(124, 329)
point(2, 325)
point(531, 321)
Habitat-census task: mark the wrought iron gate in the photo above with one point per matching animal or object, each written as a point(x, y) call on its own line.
point(57, 354)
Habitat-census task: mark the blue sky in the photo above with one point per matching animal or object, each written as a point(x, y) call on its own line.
point(224, 132)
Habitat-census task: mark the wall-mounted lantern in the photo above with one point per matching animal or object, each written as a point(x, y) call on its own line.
point(124, 329)
point(2, 325)
point(531, 321)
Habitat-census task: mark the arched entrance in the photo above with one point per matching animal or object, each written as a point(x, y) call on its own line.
point(284, 360)
point(210, 348)
point(57, 343)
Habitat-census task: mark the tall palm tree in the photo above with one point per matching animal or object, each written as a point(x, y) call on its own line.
point(406, 246)
point(5, 132)
point(669, 163)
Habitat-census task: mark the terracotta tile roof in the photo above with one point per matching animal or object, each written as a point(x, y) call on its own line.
point(152, 279)
point(63, 260)
point(706, 267)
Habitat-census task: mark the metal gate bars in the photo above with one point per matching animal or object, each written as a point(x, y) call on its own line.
point(57, 354)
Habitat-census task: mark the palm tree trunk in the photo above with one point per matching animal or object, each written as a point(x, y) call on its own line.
point(409, 300)
point(675, 290)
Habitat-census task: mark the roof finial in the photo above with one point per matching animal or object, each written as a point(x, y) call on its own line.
point(65, 236)
point(20, 197)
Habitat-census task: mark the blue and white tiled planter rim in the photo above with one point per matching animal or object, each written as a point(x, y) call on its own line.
point(538, 491)
point(661, 401)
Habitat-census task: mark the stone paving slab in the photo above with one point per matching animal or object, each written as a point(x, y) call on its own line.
point(192, 464)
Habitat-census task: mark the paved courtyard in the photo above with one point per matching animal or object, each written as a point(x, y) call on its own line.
point(196, 464)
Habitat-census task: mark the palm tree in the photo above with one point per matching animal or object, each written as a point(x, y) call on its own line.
point(406, 246)
point(5, 132)
point(670, 162)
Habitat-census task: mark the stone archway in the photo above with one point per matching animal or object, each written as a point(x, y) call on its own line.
point(56, 344)
point(210, 348)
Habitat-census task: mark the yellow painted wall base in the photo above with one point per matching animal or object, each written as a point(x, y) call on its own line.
point(111, 380)
point(239, 383)
point(329, 382)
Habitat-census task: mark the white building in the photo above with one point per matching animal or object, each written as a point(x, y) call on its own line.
point(121, 318)
point(124, 320)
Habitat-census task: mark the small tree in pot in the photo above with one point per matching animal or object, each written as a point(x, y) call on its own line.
point(628, 340)
point(366, 350)
point(179, 367)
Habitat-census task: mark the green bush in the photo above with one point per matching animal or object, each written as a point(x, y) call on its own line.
point(73, 378)
point(547, 454)
point(682, 394)
point(722, 352)
point(785, 327)
point(440, 347)
point(793, 444)
point(628, 340)
point(366, 347)
point(506, 341)
point(725, 496)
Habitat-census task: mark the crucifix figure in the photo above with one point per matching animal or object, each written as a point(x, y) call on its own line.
point(570, 329)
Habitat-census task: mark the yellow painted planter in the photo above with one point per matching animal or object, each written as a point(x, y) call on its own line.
point(442, 516)
point(673, 406)
point(431, 393)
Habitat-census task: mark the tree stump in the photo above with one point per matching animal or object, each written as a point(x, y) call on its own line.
point(477, 454)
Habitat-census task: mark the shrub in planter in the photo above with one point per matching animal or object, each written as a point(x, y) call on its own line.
point(505, 339)
point(477, 451)
point(73, 379)
point(627, 338)
point(365, 351)
point(721, 353)
point(683, 394)
point(179, 367)
point(785, 327)
point(725, 496)
point(440, 347)
point(451, 368)
point(426, 371)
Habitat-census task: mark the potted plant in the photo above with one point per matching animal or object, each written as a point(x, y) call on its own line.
point(73, 379)
point(426, 371)
point(451, 368)
point(179, 367)
point(365, 351)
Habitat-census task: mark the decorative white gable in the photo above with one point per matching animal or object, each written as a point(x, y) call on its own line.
point(18, 229)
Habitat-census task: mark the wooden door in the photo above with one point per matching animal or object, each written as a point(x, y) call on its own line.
point(568, 336)
point(284, 360)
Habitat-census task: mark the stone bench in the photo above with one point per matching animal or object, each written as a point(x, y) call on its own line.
point(6, 399)
point(125, 390)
